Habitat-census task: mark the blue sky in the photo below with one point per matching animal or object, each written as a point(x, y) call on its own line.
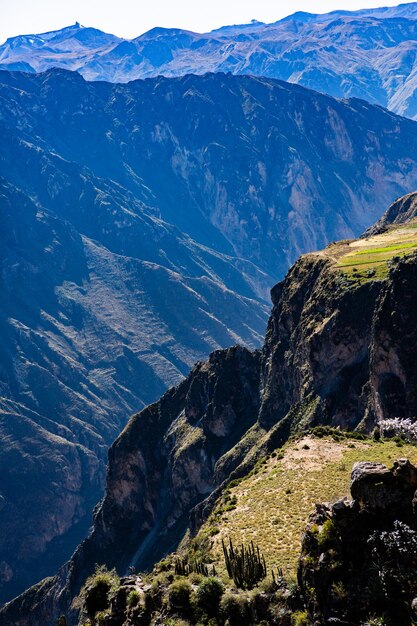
point(129, 18)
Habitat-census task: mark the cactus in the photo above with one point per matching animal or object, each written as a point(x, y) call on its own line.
point(183, 567)
point(245, 565)
point(278, 580)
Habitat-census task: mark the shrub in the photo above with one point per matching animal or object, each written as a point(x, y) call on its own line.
point(179, 595)
point(100, 618)
point(97, 590)
point(163, 566)
point(299, 619)
point(200, 548)
point(339, 591)
point(394, 555)
point(133, 598)
point(400, 428)
point(209, 594)
point(234, 608)
point(327, 535)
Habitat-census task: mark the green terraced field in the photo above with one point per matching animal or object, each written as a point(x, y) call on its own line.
point(367, 259)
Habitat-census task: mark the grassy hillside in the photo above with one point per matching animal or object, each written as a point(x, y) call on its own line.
point(271, 505)
point(368, 258)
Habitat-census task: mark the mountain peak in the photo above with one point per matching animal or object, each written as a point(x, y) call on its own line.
point(299, 16)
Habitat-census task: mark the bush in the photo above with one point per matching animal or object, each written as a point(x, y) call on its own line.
point(339, 591)
point(97, 590)
point(209, 594)
point(327, 536)
point(100, 618)
point(234, 608)
point(179, 595)
point(133, 598)
point(394, 555)
point(299, 619)
point(159, 583)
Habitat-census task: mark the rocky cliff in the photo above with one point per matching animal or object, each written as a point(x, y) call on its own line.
point(338, 351)
point(400, 212)
point(359, 554)
point(143, 225)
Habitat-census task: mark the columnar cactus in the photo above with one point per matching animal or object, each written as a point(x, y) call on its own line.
point(245, 565)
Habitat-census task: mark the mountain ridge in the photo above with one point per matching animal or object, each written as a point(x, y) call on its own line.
point(373, 50)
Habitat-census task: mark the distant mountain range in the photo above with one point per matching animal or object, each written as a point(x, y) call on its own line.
point(368, 54)
point(141, 227)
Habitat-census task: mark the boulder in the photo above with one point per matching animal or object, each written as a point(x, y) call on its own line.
point(377, 488)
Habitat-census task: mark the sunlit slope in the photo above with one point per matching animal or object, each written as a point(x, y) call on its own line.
point(369, 258)
point(271, 505)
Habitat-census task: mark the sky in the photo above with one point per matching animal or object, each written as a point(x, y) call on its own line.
point(130, 18)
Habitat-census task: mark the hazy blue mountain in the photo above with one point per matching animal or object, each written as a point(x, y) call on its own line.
point(369, 54)
point(141, 227)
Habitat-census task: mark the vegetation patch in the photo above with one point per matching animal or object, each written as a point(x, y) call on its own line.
point(368, 259)
point(273, 504)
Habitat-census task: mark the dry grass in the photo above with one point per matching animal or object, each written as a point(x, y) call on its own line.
point(273, 505)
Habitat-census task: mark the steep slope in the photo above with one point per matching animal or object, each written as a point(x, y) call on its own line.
point(87, 336)
point(357, 560)
point(401, 211)
point(143, 226)
point(338, 351)
point(368, 54)
point(254, 168)
point(91, 332)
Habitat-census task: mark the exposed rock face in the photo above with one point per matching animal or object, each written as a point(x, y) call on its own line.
point(368, 54)
point(359, 556)
point(393, 373)
point(143, 227)
point(401, 211)
point(375, 487)
point(317, 346)
point(164, 462)
point(319, 365)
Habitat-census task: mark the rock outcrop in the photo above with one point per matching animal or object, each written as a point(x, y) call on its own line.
point(332, 353)
point(400, 212)
point(359, 556)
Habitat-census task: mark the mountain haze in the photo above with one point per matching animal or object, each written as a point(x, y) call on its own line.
point(369, 54)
